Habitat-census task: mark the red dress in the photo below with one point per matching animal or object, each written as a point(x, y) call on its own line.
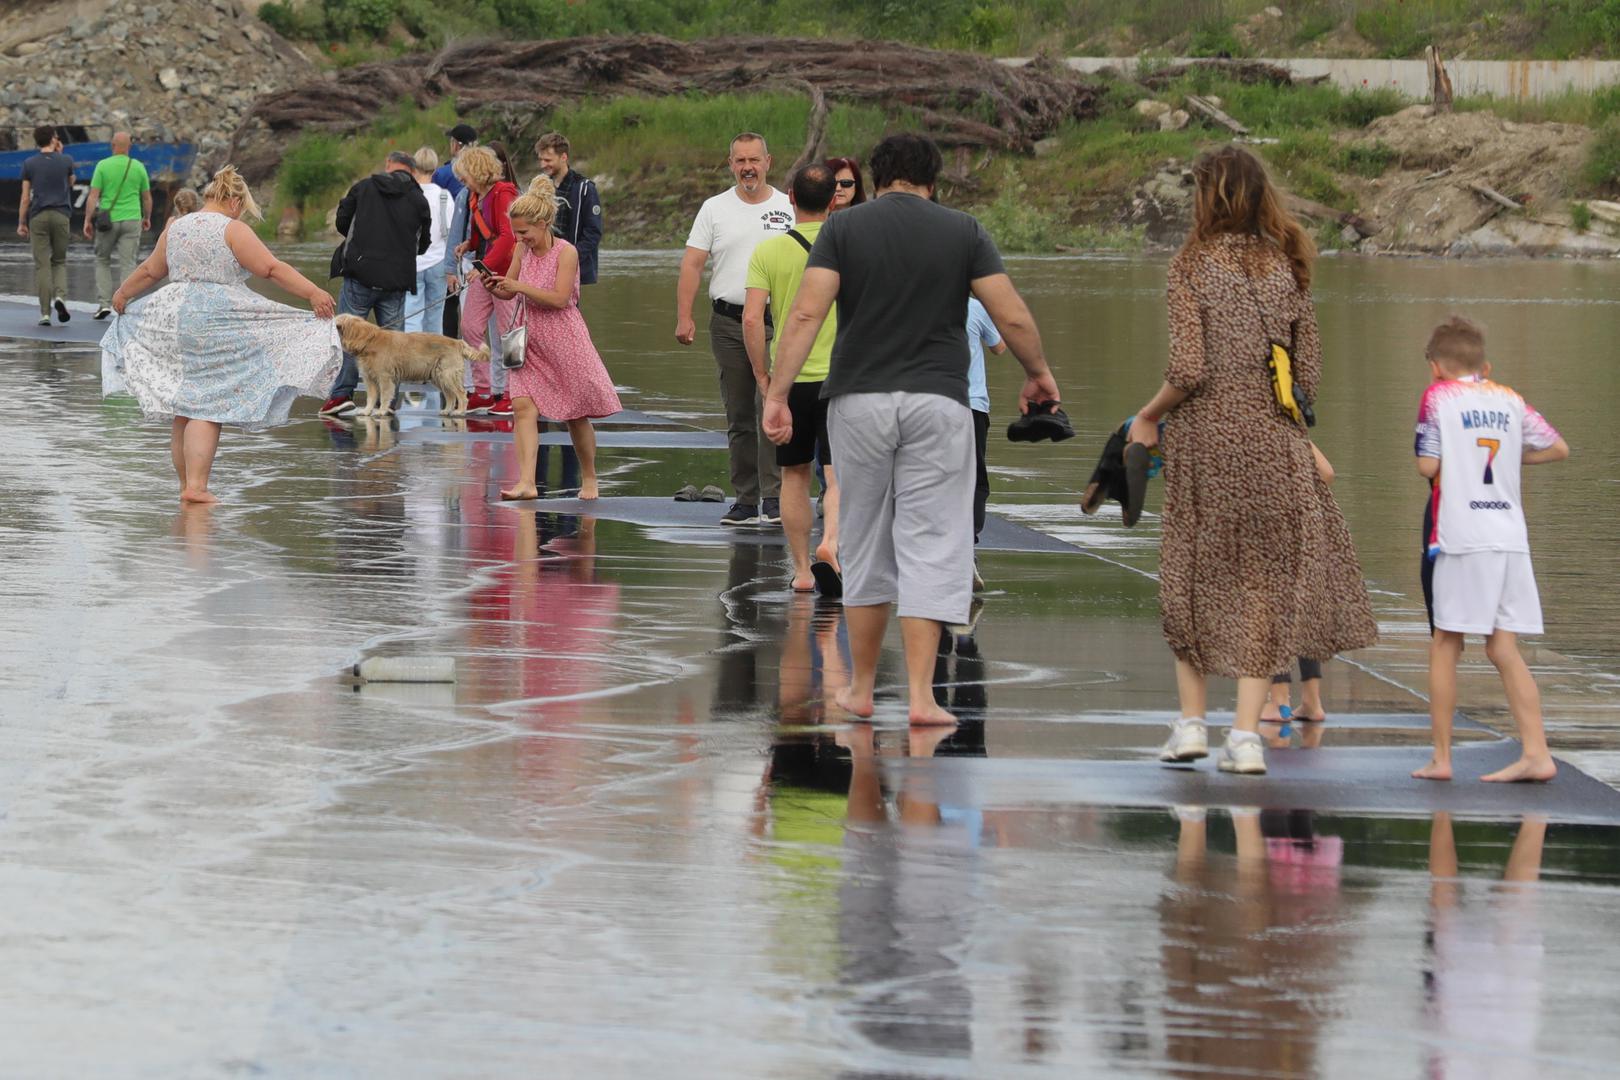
point(562, 371)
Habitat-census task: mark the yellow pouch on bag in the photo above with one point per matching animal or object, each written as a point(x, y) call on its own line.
point(1282, 382)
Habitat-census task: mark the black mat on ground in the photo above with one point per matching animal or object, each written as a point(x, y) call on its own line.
point(1217, 721)
point(626, 416)
point(644, 440)
point(20, 321)
point(1365, 780)
point(999, 533)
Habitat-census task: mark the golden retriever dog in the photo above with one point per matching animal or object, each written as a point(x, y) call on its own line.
point(389, 357)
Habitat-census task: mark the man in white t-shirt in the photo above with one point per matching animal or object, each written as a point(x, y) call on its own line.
point(727, 228)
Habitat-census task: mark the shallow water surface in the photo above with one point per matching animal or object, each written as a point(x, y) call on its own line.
point(634, 838)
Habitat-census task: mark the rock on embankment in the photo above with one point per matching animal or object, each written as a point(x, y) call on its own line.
point(162, 69)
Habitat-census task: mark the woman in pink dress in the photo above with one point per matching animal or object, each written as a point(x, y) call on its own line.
point(562, 375)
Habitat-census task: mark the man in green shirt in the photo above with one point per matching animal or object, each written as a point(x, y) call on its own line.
point(121, 187)
point(774, 273)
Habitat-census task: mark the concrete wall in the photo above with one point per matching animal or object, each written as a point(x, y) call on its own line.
point(1469, 78)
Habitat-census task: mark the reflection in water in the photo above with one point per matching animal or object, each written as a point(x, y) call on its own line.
point(1483, 973)
point(1265, 930)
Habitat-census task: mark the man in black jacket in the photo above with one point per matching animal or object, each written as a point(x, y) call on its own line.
point(386, 224)
point(579, 207)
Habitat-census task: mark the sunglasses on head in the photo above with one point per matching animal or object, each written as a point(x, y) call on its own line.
point(845, 183)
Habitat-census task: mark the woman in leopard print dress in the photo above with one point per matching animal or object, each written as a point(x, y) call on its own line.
point(1256, 563)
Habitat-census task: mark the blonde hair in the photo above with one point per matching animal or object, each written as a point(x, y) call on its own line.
point(477, 166)
point(538, 205)
point(228, 184)
point(427, 159)
point(185, 202)
point(1458, 343)
point(1234, 195)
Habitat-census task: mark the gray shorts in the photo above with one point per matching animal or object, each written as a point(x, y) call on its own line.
point(905, 502)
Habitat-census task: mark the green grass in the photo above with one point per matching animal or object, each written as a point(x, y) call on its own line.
point(1580, 216)
point(1571, 107)
point(626, 136)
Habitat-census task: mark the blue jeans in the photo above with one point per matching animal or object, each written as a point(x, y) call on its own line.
point(362, 300)
point(425, 310)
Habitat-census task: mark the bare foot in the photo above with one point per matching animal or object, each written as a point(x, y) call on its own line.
point(514, 494)
point(928, 714)
point(1434, 770)
point(828, 555)
point(855, 704)
point(187, 495)
point(1310, 718)
point(1527, 770)
point(1270, 714)
point(588, 491)
point(804, 584)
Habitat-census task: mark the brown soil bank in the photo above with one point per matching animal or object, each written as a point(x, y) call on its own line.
point(963, 100)
point(1431, 200)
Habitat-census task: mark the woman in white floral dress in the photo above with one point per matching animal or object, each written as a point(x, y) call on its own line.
point(206, 350)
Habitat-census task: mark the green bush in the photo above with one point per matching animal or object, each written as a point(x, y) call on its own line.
point(1368, 161)
point(1016, 223)
point(1215, 40)
point(1602, 166)
point(1580, 216)
point(313, 165)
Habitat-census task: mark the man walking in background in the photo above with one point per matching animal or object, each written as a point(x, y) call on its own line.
point(579, 208)
point(774, 274)
point(386, 224)
point(121, 189)
point(901, 269)
point(42, 218)
point(456, 268)
point(727, 228)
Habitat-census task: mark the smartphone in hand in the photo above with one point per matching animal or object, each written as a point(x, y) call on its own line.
point(478, 265)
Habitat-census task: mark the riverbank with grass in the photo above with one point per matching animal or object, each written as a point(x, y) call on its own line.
point(1368, 168)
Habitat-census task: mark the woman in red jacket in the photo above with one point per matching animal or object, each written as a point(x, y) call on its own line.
point(490, 240)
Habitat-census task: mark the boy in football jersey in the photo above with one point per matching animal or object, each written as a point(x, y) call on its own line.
point(1472, 437)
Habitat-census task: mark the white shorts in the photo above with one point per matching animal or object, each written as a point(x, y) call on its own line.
point(1485, 591)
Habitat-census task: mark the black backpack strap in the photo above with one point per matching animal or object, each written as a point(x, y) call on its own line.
point(797, 235)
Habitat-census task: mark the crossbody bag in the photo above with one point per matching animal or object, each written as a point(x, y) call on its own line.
point(1289, 399)
point(515, 342)
point(103, 220)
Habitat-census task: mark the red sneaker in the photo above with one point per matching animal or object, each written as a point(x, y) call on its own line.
point(501, 406)
point(337, 406)
point(478, 404)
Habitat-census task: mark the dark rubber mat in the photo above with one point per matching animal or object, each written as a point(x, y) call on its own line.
point(626, 416)
point(1219, 721)
point(645, 440)
point(21, 321)
point(1368, 780)
point(999, 534)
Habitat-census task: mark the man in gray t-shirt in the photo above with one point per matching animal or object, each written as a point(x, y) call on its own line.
point(42, 218)
point(901, 269)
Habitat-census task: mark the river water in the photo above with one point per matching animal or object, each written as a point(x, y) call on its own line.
point(632, 839)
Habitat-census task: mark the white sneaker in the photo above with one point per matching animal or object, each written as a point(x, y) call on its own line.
point(1243, 753)
point(1188, 741)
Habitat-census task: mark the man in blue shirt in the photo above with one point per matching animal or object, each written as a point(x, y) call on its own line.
point(42, 218)
point(461, 136)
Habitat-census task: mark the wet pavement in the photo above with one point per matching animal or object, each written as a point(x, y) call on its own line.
point(635, 838)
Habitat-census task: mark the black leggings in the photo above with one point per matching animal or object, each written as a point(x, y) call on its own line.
point(1308, 670)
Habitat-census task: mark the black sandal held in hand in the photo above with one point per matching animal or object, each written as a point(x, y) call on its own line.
point(1045, 420)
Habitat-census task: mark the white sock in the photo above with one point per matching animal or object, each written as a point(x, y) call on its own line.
point(1181, 721)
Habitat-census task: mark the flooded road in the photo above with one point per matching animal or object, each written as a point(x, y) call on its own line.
point(634, 838)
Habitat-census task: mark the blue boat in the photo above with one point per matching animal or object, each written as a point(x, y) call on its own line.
point(167, 164)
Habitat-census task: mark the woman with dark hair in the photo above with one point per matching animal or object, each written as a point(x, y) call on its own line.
point(498, 148)
point(849, 190)
point(1256, 563)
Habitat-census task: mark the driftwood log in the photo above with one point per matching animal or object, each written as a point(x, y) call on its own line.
point(1307, 208)
point(962, 99)
point(1209, 111)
